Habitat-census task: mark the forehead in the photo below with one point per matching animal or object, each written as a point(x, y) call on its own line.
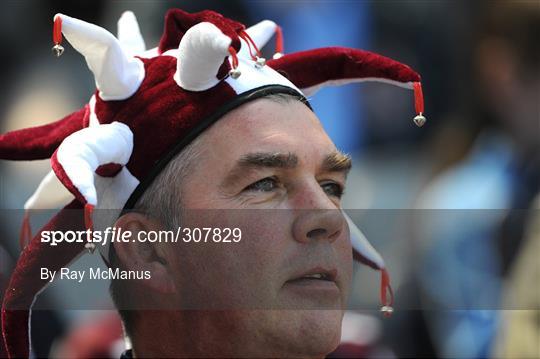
point(270, 125)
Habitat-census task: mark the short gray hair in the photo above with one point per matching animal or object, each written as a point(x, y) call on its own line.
point(162, 198)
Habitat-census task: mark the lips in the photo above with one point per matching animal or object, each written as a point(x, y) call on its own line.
point(322, 276)
point(314, 275)
point(314, 288)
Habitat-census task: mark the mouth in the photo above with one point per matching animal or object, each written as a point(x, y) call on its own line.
point(316, 279)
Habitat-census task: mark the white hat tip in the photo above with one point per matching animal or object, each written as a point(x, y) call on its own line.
point(268, 23)
point(128, 14)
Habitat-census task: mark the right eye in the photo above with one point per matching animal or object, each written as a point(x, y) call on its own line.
point(267, 184)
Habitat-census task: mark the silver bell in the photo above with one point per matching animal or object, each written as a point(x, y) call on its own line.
point(260, 62)
point(235, 73)
point(419, 120)
point(387, 310)
point(90, 246)
point(58, 50)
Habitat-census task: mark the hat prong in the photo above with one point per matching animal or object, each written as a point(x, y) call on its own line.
point(200, 54)
point(117, 75)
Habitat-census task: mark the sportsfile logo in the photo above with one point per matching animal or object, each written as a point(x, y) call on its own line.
point(113, 234)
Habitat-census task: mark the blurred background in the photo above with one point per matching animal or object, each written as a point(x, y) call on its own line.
point(452, 206)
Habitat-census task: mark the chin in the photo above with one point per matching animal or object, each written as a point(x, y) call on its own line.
point(313, 333)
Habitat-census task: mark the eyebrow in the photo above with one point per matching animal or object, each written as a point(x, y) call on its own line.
point(337, 162)
point(333, 162)
point(271, 160)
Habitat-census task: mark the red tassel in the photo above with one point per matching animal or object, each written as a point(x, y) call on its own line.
point(234, 72)
point(419, 119)
point(244, 35)
point(57, 30)
point(418, 98)
point(89, 224)
point(279, 41)
point(57, 37)
point(387, 305)
point(234, 56)
point(26, 231)
point(88, 210)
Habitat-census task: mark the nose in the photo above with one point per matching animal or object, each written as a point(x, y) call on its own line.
point(317, 217)
point(318, 224)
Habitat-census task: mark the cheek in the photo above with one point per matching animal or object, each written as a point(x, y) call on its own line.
point(265, 241)
point(242, 275)
point(213, 277)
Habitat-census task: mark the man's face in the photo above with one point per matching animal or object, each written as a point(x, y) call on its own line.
point(269, 169)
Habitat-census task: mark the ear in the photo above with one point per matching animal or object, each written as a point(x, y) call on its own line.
point(144, 256)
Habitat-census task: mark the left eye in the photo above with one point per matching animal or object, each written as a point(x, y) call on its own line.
point(333, 189)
